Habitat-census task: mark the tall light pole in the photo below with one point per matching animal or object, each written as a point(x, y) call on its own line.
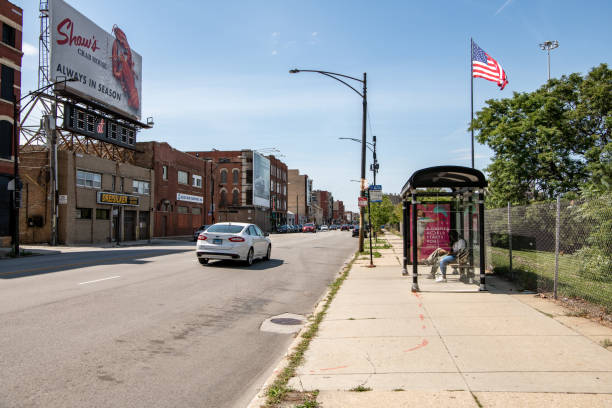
point(547, 46)
point(364, 98)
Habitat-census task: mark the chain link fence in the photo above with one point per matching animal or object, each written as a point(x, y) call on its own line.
point(563, 247)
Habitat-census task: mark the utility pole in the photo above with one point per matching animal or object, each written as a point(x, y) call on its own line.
point(547, 46)
point(16, 181)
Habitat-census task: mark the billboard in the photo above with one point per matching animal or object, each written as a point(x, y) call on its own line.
point(106, 69)
point(261, 180)
point(433, 227)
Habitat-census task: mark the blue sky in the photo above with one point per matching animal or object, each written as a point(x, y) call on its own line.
point(215, 73)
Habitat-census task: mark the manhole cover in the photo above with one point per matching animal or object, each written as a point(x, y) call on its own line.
point(286, 321)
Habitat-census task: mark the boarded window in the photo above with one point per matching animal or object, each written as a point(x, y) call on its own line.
point(182, 210)
point(6, 139)
point(183, 177)
point(83, 213)
point(102, 214)
point(7, 80)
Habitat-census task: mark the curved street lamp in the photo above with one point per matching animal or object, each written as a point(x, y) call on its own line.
point(363, 94)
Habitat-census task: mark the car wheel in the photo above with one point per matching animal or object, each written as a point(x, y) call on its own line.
point(249, 259)
point(267, 257)
point(203, 261)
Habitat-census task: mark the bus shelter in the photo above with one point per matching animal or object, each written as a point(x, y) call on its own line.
point(436, 201)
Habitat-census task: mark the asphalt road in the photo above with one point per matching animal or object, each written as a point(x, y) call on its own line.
point(150, 326)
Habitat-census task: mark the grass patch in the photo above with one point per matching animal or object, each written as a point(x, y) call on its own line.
point(277, 391)
point(360, 388)
point(398, 389)
point(534, 270)
point(578, 313)
point(311, 401)
point(375, 254)
point(606, 343)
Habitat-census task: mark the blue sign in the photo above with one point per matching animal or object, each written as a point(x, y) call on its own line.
point(375, 193)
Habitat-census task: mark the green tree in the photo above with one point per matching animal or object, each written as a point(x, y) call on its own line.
point(382, 213)
point(552, 141)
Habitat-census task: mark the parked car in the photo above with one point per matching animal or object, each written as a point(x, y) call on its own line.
point(282, 229)
point(233, 240)
point(309, 228)
point(333, 227)
point(324, 228)
point(356, 232)
point(198, 231)
point(351, 226)
point(344, 227)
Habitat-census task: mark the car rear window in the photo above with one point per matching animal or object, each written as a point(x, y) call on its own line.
point(309, 225)
point(225, 228)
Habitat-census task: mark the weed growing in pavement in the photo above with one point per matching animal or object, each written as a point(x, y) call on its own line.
point(578, 313)
point(606, 343)
point(277, 391)
point(360, 388)
point(398, 389)
point(311, 402)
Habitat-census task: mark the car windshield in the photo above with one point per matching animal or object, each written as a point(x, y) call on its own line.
point(225, 228)
point(309, 225)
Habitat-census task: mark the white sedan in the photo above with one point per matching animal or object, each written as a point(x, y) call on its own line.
point(324, 228)
point(235, 241)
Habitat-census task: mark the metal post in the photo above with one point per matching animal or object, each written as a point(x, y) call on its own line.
point(510, 241)
point(363, 157)
point(370, 223)
point(481, 233)
point(413, 243)
point(472, 94)
point(549, 67)
point(375, 164)
point(557, 238)
point(405, 234)
point(16, 183)
point(212, 194)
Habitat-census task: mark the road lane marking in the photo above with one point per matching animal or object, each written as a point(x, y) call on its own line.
point(99, 280)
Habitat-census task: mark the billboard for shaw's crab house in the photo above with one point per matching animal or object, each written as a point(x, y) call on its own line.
point(107, 70)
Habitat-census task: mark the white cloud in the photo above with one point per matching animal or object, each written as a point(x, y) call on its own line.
point(274, 52)
point(275, 34)
point(28, 49)
point(503, 6)
point(314, 34)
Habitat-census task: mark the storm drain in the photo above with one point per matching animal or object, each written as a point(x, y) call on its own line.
point(285, 323)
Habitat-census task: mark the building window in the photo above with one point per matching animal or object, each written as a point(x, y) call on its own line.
point(197, 181)
point(121, 185)
point(8, 35)
point(223, 176)
point(141, 187)
point(88, 179)
point(7, 81)
point(271, 186)
point(164, 172)
point(102, 214)
point(196, 210)
point(182, 210)
point(223, 199)
point(183, 177)
point(6, 139)
point(235, 176)
point(235, 197)
point(249, 197)
point(113, 181)
point(83, 213)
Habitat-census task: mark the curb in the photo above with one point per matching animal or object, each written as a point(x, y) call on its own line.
point(260, 398)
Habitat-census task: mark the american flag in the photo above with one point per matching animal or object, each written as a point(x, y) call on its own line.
point(483, 66)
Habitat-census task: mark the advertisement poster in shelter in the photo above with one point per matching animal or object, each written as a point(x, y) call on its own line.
point(105, 67)
point(433, 227)
point(261, 180)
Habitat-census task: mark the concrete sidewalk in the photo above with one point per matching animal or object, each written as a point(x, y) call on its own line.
point(450, 345)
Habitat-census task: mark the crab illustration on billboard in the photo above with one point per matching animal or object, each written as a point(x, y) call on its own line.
point(105, 68)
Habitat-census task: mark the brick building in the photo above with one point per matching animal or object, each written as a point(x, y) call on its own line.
point(180, 185)
point(325, 200)
point(231, 173)
point(299, 196)
point(10, 90)
point(338, 212)
point(99, 200)
point(278, 192)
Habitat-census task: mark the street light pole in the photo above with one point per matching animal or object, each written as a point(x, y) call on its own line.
point(364, 97)
point(547, 46)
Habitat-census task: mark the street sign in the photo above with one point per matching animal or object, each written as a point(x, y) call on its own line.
point(363, 202)
point(375, 193)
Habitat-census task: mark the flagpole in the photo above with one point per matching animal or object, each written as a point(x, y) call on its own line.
point(472, 93)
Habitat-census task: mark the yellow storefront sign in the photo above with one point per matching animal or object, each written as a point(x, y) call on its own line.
point(117, 199)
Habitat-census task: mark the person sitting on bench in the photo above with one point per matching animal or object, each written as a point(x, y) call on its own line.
point(443, 258)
